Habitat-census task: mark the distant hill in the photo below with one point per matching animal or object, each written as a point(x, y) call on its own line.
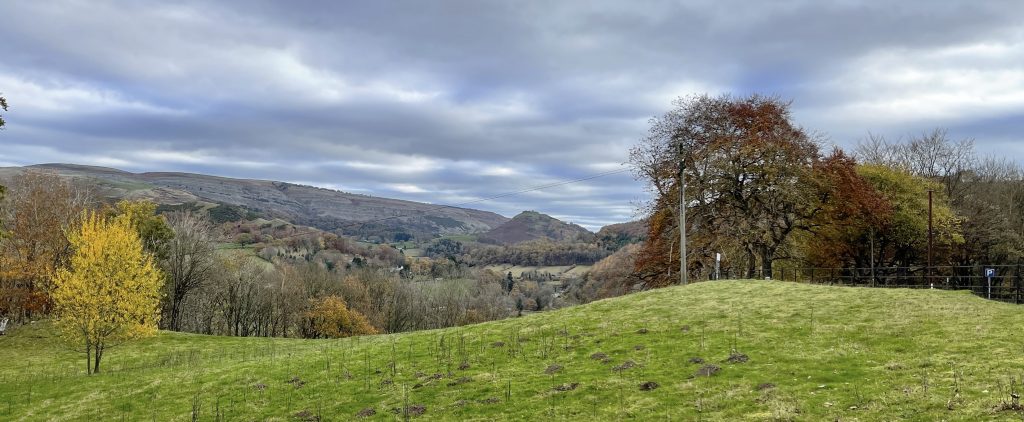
point(532, 225)
point(615, 236)
point(305, 205)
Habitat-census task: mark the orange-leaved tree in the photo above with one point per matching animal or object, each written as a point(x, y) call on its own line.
point(40, 208)
point(750, 184)
point(330, 317)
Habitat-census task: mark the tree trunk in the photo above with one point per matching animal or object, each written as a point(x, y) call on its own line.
point(96, 361)
point(751, 263)
point(175, 324)
point(767, 256)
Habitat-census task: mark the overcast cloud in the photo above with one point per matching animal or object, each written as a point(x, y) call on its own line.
point(451, 101)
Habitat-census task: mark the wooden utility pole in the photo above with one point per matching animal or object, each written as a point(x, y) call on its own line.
point(682, 218)
point(930, 236)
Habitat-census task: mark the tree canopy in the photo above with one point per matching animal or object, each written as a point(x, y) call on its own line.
point(110, 291)
point(750, 181)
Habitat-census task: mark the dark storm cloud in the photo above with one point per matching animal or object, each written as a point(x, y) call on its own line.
point(452, 101)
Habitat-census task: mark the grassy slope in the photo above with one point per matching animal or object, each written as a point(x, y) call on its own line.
point(832, 353)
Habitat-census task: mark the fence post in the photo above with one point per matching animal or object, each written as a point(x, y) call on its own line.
point(782, 273)
point(812, 275)
point(1016, 282)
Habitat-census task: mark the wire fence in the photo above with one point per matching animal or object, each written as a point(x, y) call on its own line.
point(1003, 283)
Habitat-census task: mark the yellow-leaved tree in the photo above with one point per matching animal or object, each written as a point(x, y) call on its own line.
point(110, 291)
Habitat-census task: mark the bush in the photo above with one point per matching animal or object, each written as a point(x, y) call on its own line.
point(330, 317)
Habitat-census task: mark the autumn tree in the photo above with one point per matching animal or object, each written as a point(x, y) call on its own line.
point(750, 182)
point(903, 241)
point(854, 211)
point(39, 210)
point(610, 277)
point(330, 317)
point(110, 291)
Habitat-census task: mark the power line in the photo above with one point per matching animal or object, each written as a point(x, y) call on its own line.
point(475, 201)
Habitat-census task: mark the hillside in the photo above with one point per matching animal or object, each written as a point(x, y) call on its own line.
point(736, 350)
point(615, 236)
point(532, 225)
point(305, 205)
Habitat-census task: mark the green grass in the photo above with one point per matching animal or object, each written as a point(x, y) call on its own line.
point(460, 237)
point(832, 353)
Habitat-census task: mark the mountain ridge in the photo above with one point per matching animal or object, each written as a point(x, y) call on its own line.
point(326, 209)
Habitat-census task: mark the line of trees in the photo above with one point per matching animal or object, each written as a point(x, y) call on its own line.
point(288, 289)
point(761, 191)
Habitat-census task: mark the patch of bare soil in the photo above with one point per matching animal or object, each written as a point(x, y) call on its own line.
point(553, 368)
point(306, 416)
point(412, 410)
point(296, 382)
point(737, 357)
point(648, 386)
point(460, 381)
point(625, 365)
point(367, 412)
point(707, 371)
point(566, 387)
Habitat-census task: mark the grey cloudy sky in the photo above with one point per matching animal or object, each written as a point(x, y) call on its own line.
point(450, 101)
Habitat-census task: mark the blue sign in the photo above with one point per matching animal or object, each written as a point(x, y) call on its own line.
point(990, 272)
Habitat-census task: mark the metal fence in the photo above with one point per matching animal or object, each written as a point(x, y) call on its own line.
point(1003, 283)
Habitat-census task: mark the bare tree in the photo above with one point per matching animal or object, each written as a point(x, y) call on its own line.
point(189, 263)
point(930, 154)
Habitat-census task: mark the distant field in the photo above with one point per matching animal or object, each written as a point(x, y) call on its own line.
point(731, 350)
point(414, 252)
point(563, 270)
point(461, 237)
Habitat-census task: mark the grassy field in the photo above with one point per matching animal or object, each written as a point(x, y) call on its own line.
point(558, 271)
point(735, 350)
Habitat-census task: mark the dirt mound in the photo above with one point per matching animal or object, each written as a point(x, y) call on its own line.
point(411, 410)
point(625, 365)
point(306, 416)
point(707, 371)
point(566, 387)
point(737, 358)
point(553, 368)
